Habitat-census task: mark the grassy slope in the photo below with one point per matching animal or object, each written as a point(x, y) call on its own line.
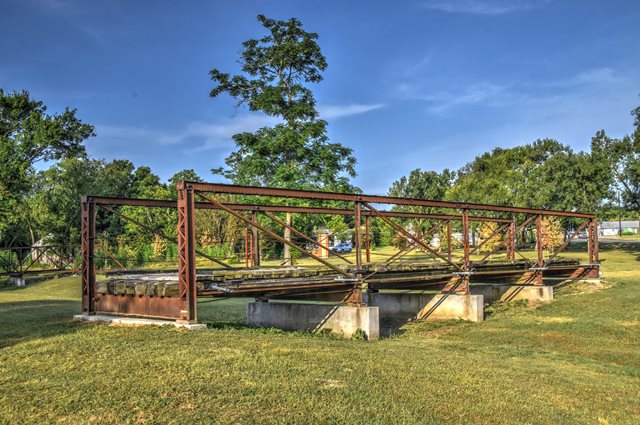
point(576, 360)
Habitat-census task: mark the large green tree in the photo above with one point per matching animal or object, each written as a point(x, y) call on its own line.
point(54, 204)
point(622, 156)
point(423, 184)
point(29, 135)
point(543, 174)
point(420, 185)
point(276, 72)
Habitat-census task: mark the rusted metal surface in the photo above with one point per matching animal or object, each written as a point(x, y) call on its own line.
point(367, 238)
point(449, 251)
point(464, 277)
point(540, 266)
point(255, 240)
point(139, 305)
point(330, 281)
point(592, 242)
point(511, 240)
point(88, 236)
point(158, 203)
point(375, 199)
point(186, 254)
point(325, 281)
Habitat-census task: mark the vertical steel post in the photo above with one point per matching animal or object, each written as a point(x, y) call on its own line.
point(357, 216)
point(448, 240)
point(88, 233)
point(254, 240)
point(355, 298)
point(288, 261)
point(466, 249)
point(511, 240)
point(246, 247)
point(367, 238)
point(186, 253)
point(540, 263)
point(592, 241)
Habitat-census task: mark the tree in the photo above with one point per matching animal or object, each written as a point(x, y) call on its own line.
point(29, 135)
point(552, 234)
point(420, 185)
point(489, 240)
point(635, 113)
point(295, 153)
point(544, 174)
point(54, 205)
point(507, 176)
point(622, 157)
point(423, 185)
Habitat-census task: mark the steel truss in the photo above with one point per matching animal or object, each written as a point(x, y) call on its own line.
point(349, 278)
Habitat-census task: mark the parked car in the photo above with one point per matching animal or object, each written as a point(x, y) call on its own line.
point(342, 247)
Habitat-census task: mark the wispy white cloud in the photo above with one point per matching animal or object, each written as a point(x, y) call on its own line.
point(201, 136)
point(195, 137)
point(340, 111)
point(491, 94)
point(417, 68)
point(483, 92)
point(570, 112)
point(588, 77)
point(482, 7)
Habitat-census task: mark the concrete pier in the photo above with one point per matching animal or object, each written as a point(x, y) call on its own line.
point(18, 281)
point(425, 306)
point(343, 320)
point(498, 292)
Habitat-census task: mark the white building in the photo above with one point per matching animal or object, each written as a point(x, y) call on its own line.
point(610, 228)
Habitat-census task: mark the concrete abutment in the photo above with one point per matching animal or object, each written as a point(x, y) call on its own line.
point(18, 281)
point(347, 320)
point(343, 320)
point(494, 292)
point(426, 306)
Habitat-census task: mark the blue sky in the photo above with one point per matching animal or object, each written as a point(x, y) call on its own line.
point(424, 84)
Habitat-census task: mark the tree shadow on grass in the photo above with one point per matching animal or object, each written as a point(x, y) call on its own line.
point(27, 320)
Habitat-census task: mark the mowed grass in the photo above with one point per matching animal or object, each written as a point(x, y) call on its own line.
point(576, 360)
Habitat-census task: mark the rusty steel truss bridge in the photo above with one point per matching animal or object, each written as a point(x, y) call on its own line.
point(174, 294)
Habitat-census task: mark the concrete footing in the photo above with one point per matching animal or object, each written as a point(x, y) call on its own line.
point(343, 320)
point(134, 321)
point(18, 281)
point(427, 306)
point(493, 292)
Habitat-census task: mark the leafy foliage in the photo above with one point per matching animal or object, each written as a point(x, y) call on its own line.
point(552, 234)
point(622, 158)
point(296, 153)
point(489, 240)
point(29, 135)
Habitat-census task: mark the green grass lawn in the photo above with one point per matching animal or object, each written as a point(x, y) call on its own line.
point(576, 360)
